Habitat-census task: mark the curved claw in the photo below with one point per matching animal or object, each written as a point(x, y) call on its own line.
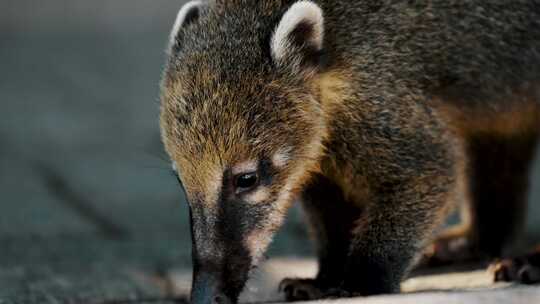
point(308, 289)
point(516, 270)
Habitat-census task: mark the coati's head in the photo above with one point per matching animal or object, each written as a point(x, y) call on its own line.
point(242, 123)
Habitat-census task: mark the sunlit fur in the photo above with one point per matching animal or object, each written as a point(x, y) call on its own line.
point(377, 115)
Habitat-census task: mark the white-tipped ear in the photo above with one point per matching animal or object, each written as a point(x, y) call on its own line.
point(188, 13)
point(301, 29)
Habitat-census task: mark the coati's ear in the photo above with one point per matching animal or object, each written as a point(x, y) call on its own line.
point(298, 39)
point(188, 14)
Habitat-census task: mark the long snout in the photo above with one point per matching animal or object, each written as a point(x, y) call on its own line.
point(221, 260)
point(219, 281)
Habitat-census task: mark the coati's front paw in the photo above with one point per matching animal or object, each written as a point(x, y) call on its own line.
point(300, 289)
point(308, 289)
point(522, 270)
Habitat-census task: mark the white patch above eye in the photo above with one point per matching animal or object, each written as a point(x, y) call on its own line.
point(174, 168)
point(259, 196)
point(281, 157)
point(245, 167)
point(300, 12)
point(185, 15)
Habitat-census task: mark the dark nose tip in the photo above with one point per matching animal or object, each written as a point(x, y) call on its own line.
point(221, 299)
point(205, 290)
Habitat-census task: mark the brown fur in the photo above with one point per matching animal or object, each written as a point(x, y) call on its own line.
point(519, 116)
point(409, 110)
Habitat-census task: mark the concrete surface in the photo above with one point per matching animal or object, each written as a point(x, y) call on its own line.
point(89, 212)
point(465, 286)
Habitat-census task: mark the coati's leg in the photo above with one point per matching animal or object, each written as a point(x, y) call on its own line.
point(419, 178)
point(498, 177)
point(499, 182)
point(331, 221)
point(391, 234)
point(524, 269)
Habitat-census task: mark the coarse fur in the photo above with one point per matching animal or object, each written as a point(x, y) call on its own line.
point(380, 116)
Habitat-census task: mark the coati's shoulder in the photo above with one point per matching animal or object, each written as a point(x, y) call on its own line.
point(477, 48)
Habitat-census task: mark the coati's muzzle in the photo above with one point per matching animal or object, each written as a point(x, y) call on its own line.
point(221, 260)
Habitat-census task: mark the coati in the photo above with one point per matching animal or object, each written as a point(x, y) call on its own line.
point(378, 116)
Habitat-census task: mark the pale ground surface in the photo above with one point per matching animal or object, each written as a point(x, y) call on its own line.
point(89, 212)
point(475, 286)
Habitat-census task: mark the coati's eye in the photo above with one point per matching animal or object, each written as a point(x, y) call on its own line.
point(245, 182)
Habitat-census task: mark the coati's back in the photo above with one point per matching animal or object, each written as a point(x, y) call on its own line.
point(477, 50)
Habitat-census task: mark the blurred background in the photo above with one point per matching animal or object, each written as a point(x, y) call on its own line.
point(89, 210)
